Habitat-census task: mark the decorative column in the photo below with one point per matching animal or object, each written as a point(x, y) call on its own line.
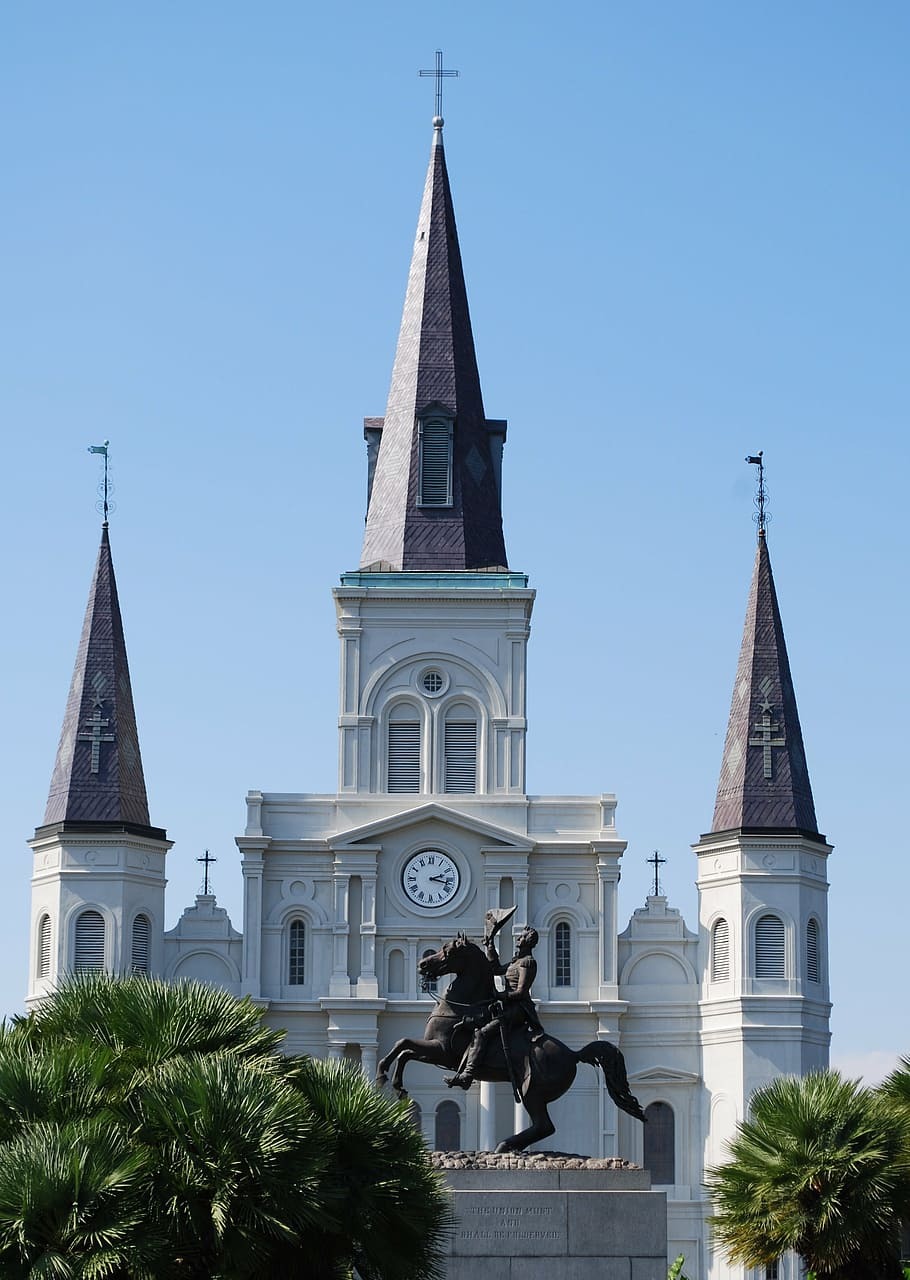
point(340, 983)
point(368, 985)
point(487, 1116)
point(253, 852)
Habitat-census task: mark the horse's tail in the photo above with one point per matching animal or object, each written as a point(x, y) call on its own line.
point(600, 1053)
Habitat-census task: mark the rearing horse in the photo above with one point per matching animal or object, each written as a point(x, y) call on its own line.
point(551, 1065)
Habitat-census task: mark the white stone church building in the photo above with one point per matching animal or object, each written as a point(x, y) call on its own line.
point(433, 629)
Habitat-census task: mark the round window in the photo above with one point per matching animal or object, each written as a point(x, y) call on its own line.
point(433, 682)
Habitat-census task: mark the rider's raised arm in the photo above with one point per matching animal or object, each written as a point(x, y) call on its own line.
point(493, 957)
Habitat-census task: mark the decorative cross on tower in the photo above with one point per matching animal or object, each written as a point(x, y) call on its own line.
point(207, 859)
point(766, 729)
point(96, 737)
point(440, 75)
point(656, 862)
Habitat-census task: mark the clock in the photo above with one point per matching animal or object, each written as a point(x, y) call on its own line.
point(430, 878)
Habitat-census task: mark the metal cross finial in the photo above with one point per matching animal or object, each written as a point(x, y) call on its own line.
point(760, 498)
point(102, 449)
point(656, 862)
point(208, 860)
point(440, 75)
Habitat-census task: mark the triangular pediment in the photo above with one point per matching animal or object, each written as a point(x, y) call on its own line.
point(663, 1075)
point(488, 831)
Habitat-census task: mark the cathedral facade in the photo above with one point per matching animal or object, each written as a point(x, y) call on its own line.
point(431, 824)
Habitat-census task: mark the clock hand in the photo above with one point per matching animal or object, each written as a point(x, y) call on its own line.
point(444, 879)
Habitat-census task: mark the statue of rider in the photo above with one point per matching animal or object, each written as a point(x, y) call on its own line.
point(515, 1008)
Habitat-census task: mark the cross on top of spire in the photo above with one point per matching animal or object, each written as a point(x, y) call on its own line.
point(440, 74)
point(656, 861)
point(207, 860)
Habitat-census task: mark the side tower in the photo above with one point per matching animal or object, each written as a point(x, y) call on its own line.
point(433, 624)
point(98, 877)
point(762, 887)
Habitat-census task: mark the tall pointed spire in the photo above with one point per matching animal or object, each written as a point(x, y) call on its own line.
point(764, 781)
point(434, 501)
point(98, 779)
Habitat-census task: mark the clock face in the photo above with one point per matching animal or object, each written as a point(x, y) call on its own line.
point(430, 878)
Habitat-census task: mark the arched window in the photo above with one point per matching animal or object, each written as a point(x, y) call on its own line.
point(431, 986)
point(141, 945)
point(812, 965)
point(296, 953)
point(448, 1127)
point(88, 952)
point(720, 951)
point(404, 750)
point(660, 1143)
point(435, 467)
point(769, 947)
point(562, 955)
point(460, 749)
point(44, 946)
point(395, 984)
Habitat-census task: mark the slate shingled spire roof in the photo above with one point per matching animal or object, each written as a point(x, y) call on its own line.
point(435, 368)
point(98, 780)
point(764, 782)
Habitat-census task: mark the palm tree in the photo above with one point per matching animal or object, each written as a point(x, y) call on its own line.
point(153, 1130)
point(821, 1168)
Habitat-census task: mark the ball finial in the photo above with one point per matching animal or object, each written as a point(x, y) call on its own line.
point(438, 122)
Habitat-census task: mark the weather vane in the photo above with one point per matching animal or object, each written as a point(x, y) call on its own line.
point(761, 519)
point(656, 862)
point(440, 75)
point(208, 860)
point(104, 488)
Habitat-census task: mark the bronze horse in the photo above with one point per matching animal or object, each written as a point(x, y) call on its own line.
point(543, 1068)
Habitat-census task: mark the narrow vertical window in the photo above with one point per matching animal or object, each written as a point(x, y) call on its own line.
point(88, 952)
point(660, 1143)
point(296, 952)
point(812, 967)
point(431, 986)
point(435, 465)
point(562, 955)
point(448, 1127)
point(769, 948)
point(720, 951)
point(460, 750)
point(141, 945)
point(395, 985)
point(404, 751)
point(44, 947)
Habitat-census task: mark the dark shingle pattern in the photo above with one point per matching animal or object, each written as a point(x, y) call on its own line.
point(763, 734)
point(100, 781)
point(435, 363)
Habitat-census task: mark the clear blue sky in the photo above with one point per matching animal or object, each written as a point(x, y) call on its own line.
point(684, 228)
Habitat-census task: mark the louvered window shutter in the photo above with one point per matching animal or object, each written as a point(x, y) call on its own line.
point(812, 969)
point(142, 936)
point(44, 947)
point(89, 949)
point(296, 953)
point(720, 952)
point(404, 755)
point(461, 755)
point(563, 955)
point(436, 463)
point(769, 948)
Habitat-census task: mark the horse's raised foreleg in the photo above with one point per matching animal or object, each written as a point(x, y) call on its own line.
point(405, 1051)
point(541, 1125)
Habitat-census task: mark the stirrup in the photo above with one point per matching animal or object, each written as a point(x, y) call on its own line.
point(461, 1080)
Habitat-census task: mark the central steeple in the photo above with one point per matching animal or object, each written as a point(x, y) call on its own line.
point(434, 489)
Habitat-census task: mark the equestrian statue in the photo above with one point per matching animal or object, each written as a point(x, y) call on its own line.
point(481, 1033)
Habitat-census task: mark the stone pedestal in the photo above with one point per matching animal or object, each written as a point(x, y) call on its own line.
point(552, 1217)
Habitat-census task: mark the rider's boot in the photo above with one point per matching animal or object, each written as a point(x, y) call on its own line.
point(464, 1078)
